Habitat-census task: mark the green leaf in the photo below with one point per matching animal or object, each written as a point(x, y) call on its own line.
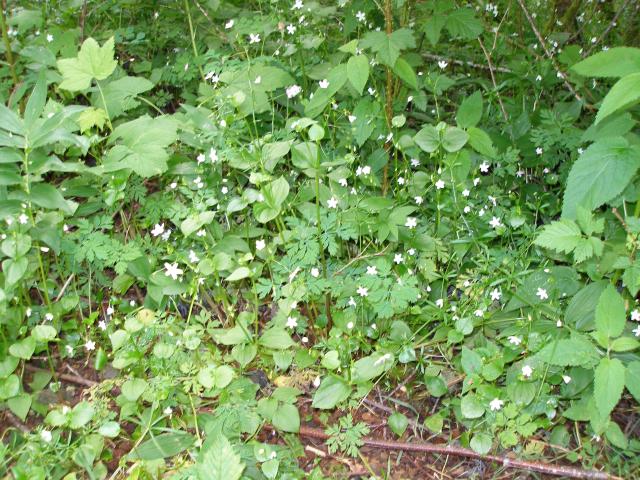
point(481, 443)
point(276, 338)
point(36, 102)
point(562, 236)
point(142, 144)
point(332, 391)
point(14, 270)
point(163, 446)
point(23, 348)
point(109, 429)
point(600, 174)
point(47, 196)
point(624, 94)
point(471, 406)
point(470, 111)
point(80, 415)
point(120, 95)
point(132, 389)
point(615, 62)
point(336, 77)
point(404, 71)
point(371, 366)
point(273, 152)
point(575, 351)
point(195, 222)
point(398, 423)
point(462, 23)
point(454, 139)
point(239, 273)
point(481, 142)
point(471, 361)
point(632, 379)
point(219, 461)
point(433, 28)
point(610, 313)
point(92, 62)
point(624, 344)
point(286, 418)
point(92, 117)
point(428, 138)
point(9, 387)
point(608, 384)
point(20, 405)
point(274, 193)
point(581, 310)
point(388, 47)
point(358, 72)
point(44, 333)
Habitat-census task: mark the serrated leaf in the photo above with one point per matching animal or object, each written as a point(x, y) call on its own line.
point(388, 47)
point(624, 94)
point(358, 72)
point(120, 95)
point(614, 62)
point(463, 24)
point(602, 172)
point(576, 351)
point(92, 62)
point(470, 111)
point(562, 236)
point(608, 384)
point(481, 142)
point(610, 313)
point(404, 71)
point(219, 461)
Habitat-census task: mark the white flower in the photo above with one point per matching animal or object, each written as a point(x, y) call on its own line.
point(442, 64)
point(566, 378)
point(102, 325)
point(401, 180)
point(440, 184)
point(481, 212)
point(315, 272)
point(496, 294)
point(46, 436)
point(168, 411)
point(363, 292)
point(411, 222)
point(635, 315)
point(316, 382)
point(343, 182)
point(542, 294)
point(352, 118)
point(201, 158)
point(466, 192)
point(293, 90)
point(90, 345)
point(397, 258)
point(23, 219)
point(298, 5)
point(254, 38)
point(559, 323)
point(229, 24)
point(484, 168)
point(213, 155)
point(172, 270)
point(440, 302)
point(332, 202)
point(293, 274)
point(49, 38)
point(418, 200)
point(372, 270)
point(371, 90)
point(538, 78)
point(636, 331)
point(415, 162)
point(193, 258)
point(479, 312)
point(224, 190)
point(350, 325)
point(352, 302)
point(476, 181)
point(110, 310)
point(323, 83)
point(366, 170)
point(539, 151)
point(527, 371)
point(496, 404)
point(495, 222)
point(292, 322)
point(513, 340)
point(260, 244)
point(158, 229)
point(466, 209)
point(361, 16)
point(201, 233)
point(411, 251)
point(291, 29)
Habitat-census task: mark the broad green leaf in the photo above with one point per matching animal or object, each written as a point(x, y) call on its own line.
point(273, 152)
point(195, 222)
point(9, 387)
point(388, 47)
point(332, 391)
point(23, 348)
point(47, 196)
point(286, 418)
point(133, 388)
point(462, 23)
point(600, 174)
point(398, 423)
point(575, 351)
point(481, 142)
point(481, 443)
point(44, 333)
point(163, 446)
point(632, 379)
point(470, 111)
point(404, 71)
point(20, 405)
point(92, 62)
point(109, 429)
point(624, 94)
point(580, 312)
point(471, 361)
point(336, 77)
point(562, 236)
point(608, 384)
point(276, 338)
point(80, 415)
point(358, 72)
point(14, 270)
point(36, 102)
point(433, 28)
point(610, 313)
point(471, 406)
point(219, 461)
point(92, 117)
point(120, 95)
point(239, 274)
point(142, 144)
point(454, 139)
point(428, 138)
point(615, 62)
point(371, 366)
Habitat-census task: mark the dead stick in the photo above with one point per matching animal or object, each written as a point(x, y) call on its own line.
point(557, 470)
point(613, 23)
point(66, 377)
point(13, 420)
point(493, 79)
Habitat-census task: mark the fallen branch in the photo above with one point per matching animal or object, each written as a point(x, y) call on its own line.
point(557, 470)
point(77, 379)
point(13, 420)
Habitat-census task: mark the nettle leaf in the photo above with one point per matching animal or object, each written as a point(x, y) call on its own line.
point(142, 145)
point(92, 62)
point(608, 384)
point(358, 72)
point(388, 47)
point(463, 24)
point(610, 313)
point(615, 62)
point(219, 461)
point(624, 94)
point(562, 236)
point(600, 174)
point(470, 111)
point(120, 95)
point(574, 351)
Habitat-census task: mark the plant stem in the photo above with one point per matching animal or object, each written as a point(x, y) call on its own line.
point(388, 22)
point(7, 45)
point(193, 38)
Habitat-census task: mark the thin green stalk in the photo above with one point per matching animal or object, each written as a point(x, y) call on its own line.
point(104, 103)
point(193, 38)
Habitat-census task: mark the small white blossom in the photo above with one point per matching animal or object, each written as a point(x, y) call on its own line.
point(495, 222)
point(323, 83)
point(442, 64)
point(172, 270)
point(292, 322)
point(542, 294)
point(411, 222)
point(46, 436)
point(372, 270)
point(397, 258)
point(527, 371)
point(293, 91)
point(539, 151)
point(332, 202)
point(363, 292)
point(158, 229)
point(440, 184)
point(496, 294)
point(361, 16)
point(90, 345)
point(635, 315)
point(315, 272)
point(229, 24)
point(513, 340)
point(496, 404)
point(260, 244)
point(418, 200)
point(484, 168)
point(254, 38)
point(566, 378)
